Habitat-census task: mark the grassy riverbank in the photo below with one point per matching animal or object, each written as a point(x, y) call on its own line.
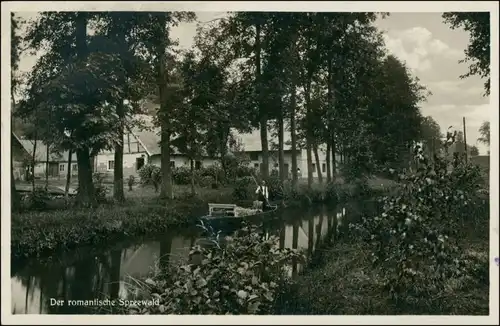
point(345, 283)
point(424, 253)
point(36, 233)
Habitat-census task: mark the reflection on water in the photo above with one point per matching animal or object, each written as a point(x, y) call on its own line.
point(112, 273)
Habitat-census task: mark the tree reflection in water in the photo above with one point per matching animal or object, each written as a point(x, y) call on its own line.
point(93, 273)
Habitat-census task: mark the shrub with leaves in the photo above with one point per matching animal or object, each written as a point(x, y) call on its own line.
point(150, 174)
point(243, 274)
point(100, 188)
point(214, 171)
point(275, 185)
point(413, 241)
point(181, 175)
point(37, 199)
point(243, 188)
point(206, 181)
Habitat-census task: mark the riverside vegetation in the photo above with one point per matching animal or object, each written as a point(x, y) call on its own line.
point(324, 77)
point(425, 252)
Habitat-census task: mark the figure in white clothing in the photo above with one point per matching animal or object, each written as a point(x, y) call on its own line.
point(263, 194)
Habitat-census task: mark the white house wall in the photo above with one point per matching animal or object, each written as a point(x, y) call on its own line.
point(129, 163)
point(301, 162)
point(181, 161)
point(62, 169)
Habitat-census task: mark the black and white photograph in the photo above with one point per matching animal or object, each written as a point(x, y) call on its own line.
point(217, 159)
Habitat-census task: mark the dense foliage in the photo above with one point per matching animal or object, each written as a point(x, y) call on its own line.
point(243, 274)
point(414, 241)
point(210, 176)
point(477, 53)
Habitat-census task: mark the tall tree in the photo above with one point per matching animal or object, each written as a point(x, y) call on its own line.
point(431, 136)
point(73, 84)
point(121, 32)
point(484, 130)
point(14, 64)
point(159, 45)
point(473, 151)
point(478, 49)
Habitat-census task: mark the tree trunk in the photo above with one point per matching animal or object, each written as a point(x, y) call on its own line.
point(47, 167)
point(262, 109)
point(308, 136)
point(331, 142)
point(293, 109)
point(281, 145)
point(328, 164)
point(318, 165)
point(193, 191)
point(223, 135)
point(118, 193)
point(86, 191)
point(334, 157)
point(68, 174)
point(293, 137)
point(33, 161)
point(15, 201)
point(14, 196)
point(166, 185)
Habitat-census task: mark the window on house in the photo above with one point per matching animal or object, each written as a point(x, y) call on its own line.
point(74, 167)
point(111, 165)
point(197, 165)
point(323, 167)
point(254, 156)
point(172, 164)
point(139, 163)
point(61, 167)
point(313, 167)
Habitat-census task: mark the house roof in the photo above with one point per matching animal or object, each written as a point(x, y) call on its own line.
point(251, 141)
point(41, 152)
point(19, 152)
point(149, 136)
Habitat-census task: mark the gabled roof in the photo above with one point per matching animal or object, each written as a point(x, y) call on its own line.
point(251, 141)
point(18, 151)
point(149, 137)
point(41, 152)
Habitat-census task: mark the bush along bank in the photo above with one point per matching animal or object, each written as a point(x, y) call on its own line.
point(40, 233)
point(244, 275)
point(330, 193)
point(417, 256)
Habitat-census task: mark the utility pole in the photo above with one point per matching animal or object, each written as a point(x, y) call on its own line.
point(465, 141)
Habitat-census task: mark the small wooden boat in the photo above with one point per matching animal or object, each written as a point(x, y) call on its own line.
point(234, 212)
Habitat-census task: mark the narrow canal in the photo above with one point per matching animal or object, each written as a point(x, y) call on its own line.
point(100, 273)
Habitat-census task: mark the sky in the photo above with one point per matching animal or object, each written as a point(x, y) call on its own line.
point(430, 48)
